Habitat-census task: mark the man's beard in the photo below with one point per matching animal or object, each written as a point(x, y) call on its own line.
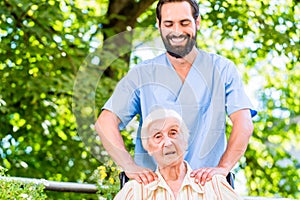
point(179, 51)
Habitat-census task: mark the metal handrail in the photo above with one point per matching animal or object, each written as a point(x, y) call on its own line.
point(57, 186)
point(90, 188)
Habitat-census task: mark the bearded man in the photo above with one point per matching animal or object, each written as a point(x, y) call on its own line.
point(202, 87)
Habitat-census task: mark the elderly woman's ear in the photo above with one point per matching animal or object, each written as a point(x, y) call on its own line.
point(150, 153)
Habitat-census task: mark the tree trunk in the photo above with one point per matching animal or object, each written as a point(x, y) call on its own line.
point(121, 14)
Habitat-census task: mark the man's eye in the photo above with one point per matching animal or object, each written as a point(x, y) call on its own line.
point(168, 24)
point(185, 23)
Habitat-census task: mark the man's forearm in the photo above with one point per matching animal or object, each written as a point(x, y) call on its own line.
point(239, 138)
point(107, 128)
point(233, 154)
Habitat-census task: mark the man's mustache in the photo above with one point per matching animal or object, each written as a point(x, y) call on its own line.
point(184, 36)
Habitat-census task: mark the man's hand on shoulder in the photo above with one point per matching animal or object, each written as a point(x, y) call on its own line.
point(203, 175)
point(141, 174)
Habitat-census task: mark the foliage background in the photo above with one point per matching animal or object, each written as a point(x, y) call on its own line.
point(46, 48)
point(18, 190)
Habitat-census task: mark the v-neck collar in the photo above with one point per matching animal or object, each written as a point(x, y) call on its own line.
point(169, 63)
point(187, 181)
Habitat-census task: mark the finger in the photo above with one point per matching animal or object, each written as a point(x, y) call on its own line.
point(200, 175)
point(142, 175)
point(134, 176)
point(197, 174)
point(152, 176)
point(193, 173)
point(138, 179)
point(205, 176)
point(148, 177)
point(210, 174)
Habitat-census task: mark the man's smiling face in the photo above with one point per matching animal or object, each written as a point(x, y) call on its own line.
point(178, 28)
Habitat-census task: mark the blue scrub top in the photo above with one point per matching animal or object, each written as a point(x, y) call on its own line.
point(212, 89)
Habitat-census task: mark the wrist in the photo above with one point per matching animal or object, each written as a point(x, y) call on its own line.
point(129, 165)
point(225, 167)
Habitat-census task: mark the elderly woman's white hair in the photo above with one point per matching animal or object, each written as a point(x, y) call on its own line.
point(159, 114)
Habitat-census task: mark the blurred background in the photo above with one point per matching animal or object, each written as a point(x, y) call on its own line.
point(61, 59)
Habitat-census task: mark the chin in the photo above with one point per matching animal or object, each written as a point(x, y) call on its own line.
point(171, 162)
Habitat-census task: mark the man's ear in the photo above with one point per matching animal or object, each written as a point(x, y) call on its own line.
point(157, 22)
point(198, 21)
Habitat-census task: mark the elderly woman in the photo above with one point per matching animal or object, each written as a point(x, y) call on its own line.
point(165, 136)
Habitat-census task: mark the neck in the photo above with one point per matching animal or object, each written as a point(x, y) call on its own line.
point(183, 65)
point(174, 176)
point(185, 61)
point(174, 172)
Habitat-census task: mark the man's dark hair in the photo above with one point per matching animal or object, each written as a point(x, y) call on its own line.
point(193, 3)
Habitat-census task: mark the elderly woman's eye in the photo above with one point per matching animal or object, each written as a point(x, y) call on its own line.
point(157, 137)
point(173, 133)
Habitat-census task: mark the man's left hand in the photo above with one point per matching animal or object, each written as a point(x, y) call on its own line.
point(203, 175)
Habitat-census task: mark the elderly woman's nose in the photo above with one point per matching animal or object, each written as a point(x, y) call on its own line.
point(167, 141)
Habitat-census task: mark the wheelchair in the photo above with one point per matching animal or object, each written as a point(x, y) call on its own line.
point(123, 179)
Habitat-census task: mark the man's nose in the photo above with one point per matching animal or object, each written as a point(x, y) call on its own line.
point(176, 29)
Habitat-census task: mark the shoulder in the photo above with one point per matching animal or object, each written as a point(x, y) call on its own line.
point(133, 184)
point(221, 188)
point(219, 181)
point(219, 178)
point(215, 57)
point(217, 61)
point(129, 191)
point(149, 62)
point(146, 69)
point(216, 181)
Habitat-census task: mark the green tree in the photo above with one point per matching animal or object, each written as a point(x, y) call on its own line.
point(42, 45)
point(262, 38)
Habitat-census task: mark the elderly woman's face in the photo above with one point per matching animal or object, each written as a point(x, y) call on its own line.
point(165, 142)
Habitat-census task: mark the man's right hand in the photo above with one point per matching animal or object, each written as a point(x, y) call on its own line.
point(107, 127)
point(141, 174)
